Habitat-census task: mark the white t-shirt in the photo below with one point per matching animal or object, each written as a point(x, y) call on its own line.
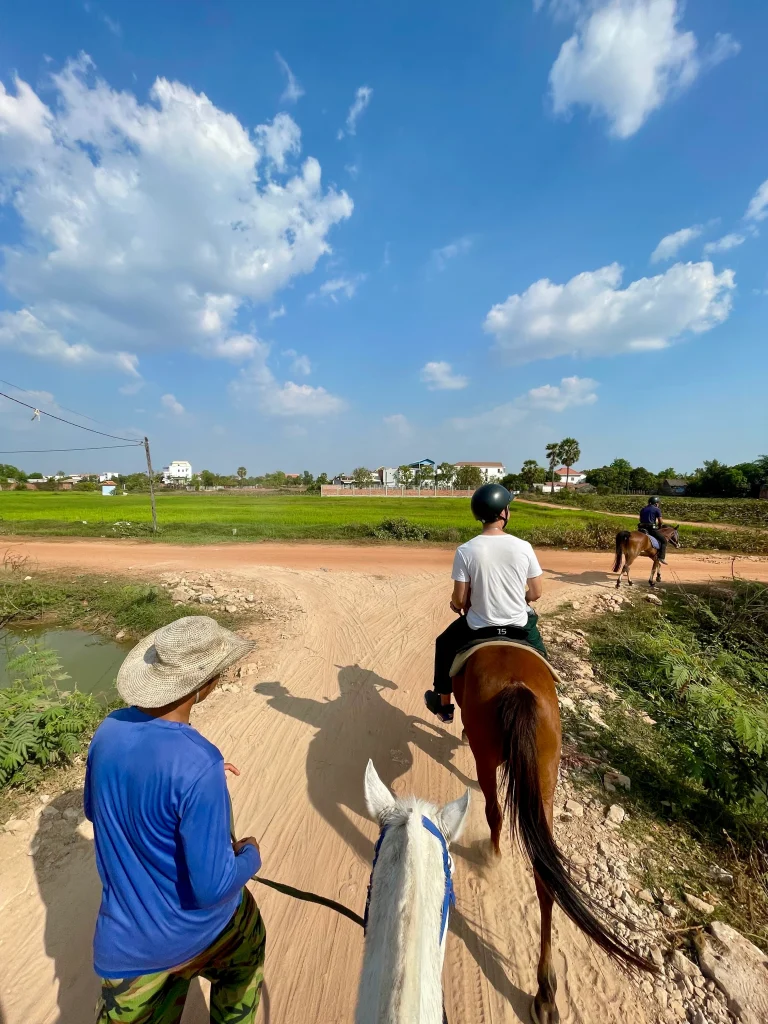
point(497, 568)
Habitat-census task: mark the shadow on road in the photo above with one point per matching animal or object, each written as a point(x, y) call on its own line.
point(357, 725)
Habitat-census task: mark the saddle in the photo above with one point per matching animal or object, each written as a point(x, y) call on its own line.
point(466, 652)
point(645, 529)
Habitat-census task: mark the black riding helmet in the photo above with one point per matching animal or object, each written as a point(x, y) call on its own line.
point(489, 501)
point(653, 500)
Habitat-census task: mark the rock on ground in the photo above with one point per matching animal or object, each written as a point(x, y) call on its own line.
point(740, 971)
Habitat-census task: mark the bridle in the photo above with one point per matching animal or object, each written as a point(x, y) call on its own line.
point(449, 896)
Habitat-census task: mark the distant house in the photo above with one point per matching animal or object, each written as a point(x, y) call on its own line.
point(106, 477)
point(386, 476)
point(674, 485)
point(584, 488)
point(573, 476)
point(491, 470)
point(343, 480)
point(108, 488)
point(292, 476)
point(179, 472)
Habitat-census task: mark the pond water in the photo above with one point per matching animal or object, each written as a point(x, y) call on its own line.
point(90, 660)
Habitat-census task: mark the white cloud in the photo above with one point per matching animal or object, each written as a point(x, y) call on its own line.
point(591, 315)
point(362, 99)
point(352, 170)
point(398, 424)
point(114, 26)
point(439, 376)
point(293, 91)
point(170, 403)
point(23, 332)
point(442, 256)
point(275, 314)
point(725, 243)
point(758, 204)
point(157, 224)
point(346, 286)
point(299, 363)
point(256, 382)
point(131, 389)
point(558, 397)
point(626, 57)
point(301, 400)
point(569, 393)
point(237, 347)
point(670, 245)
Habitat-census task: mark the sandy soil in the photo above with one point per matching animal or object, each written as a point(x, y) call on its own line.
point(340, 683)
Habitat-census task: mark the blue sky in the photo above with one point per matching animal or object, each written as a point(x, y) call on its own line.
point(306, 236)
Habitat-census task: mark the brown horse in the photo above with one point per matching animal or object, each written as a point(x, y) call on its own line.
point(630, 545)
point(511, 717)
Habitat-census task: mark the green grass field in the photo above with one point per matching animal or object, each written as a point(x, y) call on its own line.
point(188, 517)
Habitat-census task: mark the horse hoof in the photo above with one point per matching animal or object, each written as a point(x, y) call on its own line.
point(545, 1013)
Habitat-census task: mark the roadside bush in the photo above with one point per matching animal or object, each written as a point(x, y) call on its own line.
point(40, 724)
point(705, 686)
point(399, 529)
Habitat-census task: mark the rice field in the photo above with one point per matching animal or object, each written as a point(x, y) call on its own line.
point(217, 516)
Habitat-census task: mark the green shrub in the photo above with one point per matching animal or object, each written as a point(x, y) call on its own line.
point(705, 687)
point(399, 529)
point(40, 724)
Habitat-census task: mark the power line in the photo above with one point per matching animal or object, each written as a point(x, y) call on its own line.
point(61, 419)
point(74, 412)
point(95, 448)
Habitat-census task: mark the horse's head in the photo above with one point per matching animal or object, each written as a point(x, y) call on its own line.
point(386, 809)
point(674, 537)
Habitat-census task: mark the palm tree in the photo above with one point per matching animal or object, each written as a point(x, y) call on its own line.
point(242, 473)
point(570, 453)
point(553, 456)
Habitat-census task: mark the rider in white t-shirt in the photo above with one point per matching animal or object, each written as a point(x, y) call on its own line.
point(496, 577)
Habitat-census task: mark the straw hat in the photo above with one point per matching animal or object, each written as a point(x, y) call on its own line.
point(178, 659)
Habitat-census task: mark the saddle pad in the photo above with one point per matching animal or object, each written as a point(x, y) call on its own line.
point(463, 656)
point(653, 541)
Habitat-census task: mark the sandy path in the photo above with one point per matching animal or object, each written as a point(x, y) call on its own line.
point(344, 684)
point(563, 567)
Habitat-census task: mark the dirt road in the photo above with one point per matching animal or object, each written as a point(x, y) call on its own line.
point(340, 682)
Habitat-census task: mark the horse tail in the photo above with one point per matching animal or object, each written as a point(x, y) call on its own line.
point(523, 802)
point(621, 539)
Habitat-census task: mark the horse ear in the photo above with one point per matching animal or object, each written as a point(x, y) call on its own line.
point(452, 817)
point(378, 798)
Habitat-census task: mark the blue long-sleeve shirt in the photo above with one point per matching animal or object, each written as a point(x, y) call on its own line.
point(157, 796)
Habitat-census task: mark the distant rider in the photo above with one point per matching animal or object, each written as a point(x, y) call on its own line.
point(496, 576)
point(650, 520)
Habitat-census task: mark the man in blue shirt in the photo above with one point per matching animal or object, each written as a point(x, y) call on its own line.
point(650, 519)
point(174, 903)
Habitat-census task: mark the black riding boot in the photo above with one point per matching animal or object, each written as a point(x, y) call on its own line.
point(662, 549)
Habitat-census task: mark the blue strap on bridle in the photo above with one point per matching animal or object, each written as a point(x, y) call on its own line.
point(449, 899)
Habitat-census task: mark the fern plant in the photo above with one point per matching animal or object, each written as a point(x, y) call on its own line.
point(39, 723)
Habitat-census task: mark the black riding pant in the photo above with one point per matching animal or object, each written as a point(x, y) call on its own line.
point(653, 532)
point(459, 634)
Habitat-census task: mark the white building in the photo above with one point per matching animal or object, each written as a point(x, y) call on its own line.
point(177, 473)
point(573, 476)
point(103, 477)
point(491, 471)
point(386, 476)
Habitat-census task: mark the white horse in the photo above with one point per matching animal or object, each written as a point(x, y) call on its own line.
point(407, 910)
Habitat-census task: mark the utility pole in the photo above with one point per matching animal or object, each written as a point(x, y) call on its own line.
point(151, 485)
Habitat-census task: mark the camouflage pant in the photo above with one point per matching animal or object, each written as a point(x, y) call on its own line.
point(234, 965)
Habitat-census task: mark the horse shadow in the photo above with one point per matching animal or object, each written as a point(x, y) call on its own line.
point(492, 963)
point(382, 732)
